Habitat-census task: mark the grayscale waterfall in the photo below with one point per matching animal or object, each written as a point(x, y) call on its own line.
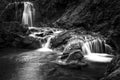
point(59, 39)
point(28, 14)
point(97, 50)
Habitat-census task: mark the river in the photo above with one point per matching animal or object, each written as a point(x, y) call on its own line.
point(21, 64)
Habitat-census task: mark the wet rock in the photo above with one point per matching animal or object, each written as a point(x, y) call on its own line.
point(28, 40)
point(40, 34)
point(73, 45)
point(60, 39)
point(72, 60)
point(34, 30)
point(13, 33)
point(31, 42)
point(76, 55)
point(14, 28)
point(115, 75)
point(49, 32)
point(116, 40)
point(113, 70)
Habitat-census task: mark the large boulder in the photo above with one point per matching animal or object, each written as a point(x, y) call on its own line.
point(61, 39)
point(72, 60)
point(31, 42)
point(73, 45)
point(75, 55)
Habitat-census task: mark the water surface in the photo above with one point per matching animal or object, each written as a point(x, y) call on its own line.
point(19, 64)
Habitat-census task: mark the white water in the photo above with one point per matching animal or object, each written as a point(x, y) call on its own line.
point(46, 46)
point(95, 57)
point(96, 51)
point(28, 13)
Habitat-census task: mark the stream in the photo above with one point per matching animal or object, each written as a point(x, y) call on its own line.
point(40, 64)
point(20, 64)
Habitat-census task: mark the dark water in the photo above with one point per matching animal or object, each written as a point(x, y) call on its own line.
point(17, 64)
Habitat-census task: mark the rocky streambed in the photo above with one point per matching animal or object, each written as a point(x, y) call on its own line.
point(29, 63)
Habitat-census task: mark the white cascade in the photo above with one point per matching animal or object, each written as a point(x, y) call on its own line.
point(97, 51)
point(46, 46)
point(28, 13)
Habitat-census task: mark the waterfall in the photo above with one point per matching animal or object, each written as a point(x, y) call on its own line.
point(46, 46)
point(97, 50)
point(28, 13)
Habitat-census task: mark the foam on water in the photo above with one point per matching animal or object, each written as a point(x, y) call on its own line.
point(97, 57)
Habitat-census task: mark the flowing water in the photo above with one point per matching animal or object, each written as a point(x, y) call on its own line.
point(97, 50)
point(46, 46)
point(20, 64)
point(28, 14)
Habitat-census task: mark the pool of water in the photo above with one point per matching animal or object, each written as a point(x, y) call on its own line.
point(19, 64)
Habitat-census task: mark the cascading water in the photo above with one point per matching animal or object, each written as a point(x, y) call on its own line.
point(28, 13)
point(97, 50)
point(46, 46)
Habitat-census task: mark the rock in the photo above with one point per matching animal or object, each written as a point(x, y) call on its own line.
point(33, 30)
point(73, 45)
point(13, 34)
point(31, 42)
point(60, 39)
point(115, 75)
point(72, 60)
point(49, 32)
point(113, 70)
point(13, 27)
point(75, 55)
point(28, 40)
point(116, 40)
point(40, 35)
